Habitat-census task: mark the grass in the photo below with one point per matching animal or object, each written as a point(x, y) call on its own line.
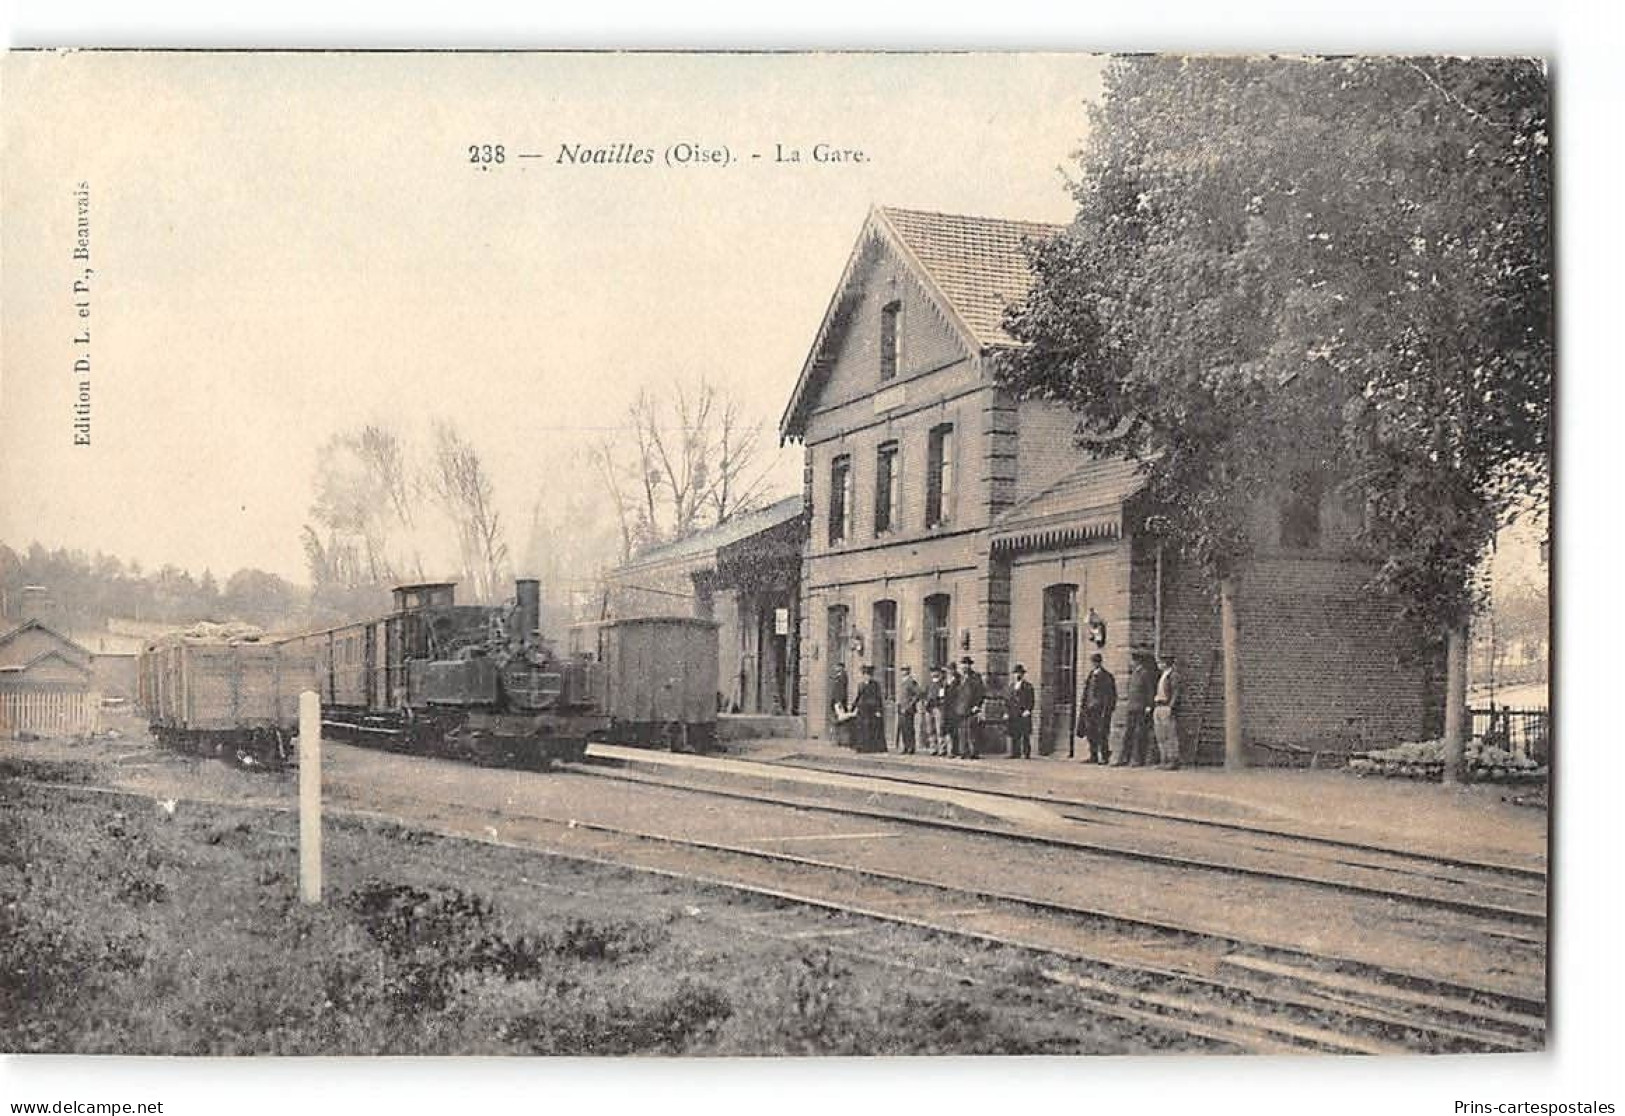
point(128, 927)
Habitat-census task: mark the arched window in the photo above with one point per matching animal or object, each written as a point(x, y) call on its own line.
point(1300, 513)
point(840, 499)
point(885, 653)
point(939, 475)
point(890, 339)
point(939, 638)
point(886, 486)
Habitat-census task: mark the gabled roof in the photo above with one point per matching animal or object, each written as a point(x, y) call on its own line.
point(48, 630)
point(713, 539)
point(51, 653)
point(978, 263)
point(1086, 503)
point(970, 267)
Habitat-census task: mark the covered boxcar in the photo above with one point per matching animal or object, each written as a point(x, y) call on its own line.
point(659, 681)
point(212, 693)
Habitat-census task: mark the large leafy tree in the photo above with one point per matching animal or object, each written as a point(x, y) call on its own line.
point(1288, 272)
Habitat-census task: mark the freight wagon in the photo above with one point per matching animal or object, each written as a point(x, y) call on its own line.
point(659, 681)
point(211, 694)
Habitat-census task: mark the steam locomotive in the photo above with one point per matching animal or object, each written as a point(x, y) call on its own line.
point(434, 677)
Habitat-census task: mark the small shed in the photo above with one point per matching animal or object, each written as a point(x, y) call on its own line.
point(47, 684)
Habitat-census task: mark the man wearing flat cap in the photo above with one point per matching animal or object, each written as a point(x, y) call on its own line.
point(967, 708)
point(1018, 703)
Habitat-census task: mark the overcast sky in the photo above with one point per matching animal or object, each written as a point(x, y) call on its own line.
point(286, 246)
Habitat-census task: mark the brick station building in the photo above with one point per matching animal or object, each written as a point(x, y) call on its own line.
point(947, 518)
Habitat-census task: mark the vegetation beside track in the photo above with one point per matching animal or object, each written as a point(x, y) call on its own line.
point(137, 925)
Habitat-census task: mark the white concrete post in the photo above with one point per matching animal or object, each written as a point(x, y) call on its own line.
point(310, 797)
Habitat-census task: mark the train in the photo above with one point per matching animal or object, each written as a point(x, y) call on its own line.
point(434, 677)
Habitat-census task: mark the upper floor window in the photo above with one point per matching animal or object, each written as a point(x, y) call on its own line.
point(939, 475)
point(1300, 514)
point(889, 338)
point(886, 487)
point(840, 499)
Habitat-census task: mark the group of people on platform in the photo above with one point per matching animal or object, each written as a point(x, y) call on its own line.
point(944, 715)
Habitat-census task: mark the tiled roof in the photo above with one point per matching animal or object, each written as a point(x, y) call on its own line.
point(713, 539)
point(1085, 503)
point(978, 263)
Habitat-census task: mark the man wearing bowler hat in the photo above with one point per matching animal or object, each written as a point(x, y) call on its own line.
point(967, 708)
point(1099, 700)
point(1018, 704)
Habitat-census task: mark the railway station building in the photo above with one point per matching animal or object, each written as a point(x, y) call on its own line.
point(946, 518)
point(744, 574)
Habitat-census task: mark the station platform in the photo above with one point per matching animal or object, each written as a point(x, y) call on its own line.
point(1477, 822)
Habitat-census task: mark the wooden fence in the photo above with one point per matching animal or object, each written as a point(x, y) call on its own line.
point(50, 713)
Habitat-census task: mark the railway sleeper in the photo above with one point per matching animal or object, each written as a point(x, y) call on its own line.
point(1265, 1033)
point(1404, 996)
point(1348, 1017)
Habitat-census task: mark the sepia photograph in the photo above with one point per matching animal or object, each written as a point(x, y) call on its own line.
point(792, 554)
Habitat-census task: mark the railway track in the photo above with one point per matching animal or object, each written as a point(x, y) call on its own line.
point(1228, 992)
point(1509, 894)
point(1239, 994)
point(1178, 967)
point(1086, 810)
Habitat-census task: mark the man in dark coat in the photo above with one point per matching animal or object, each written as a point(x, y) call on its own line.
point(967, 708)
point(1098, 701)
point(1142, 689)
point(909, 694)
point(1019, 700)
point(838, 705)
point(871, 711)
point(950, 710)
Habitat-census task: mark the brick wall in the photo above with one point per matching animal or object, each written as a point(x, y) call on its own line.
point(906, 574)
point(1323, 663)
point(1044, 446)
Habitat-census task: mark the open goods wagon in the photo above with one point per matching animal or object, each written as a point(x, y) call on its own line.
point(214, 694)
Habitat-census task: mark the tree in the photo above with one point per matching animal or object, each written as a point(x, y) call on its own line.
point(367, 499)
point(464, 492)
point(260, 597)
point(1313, 271)
point(693, 460)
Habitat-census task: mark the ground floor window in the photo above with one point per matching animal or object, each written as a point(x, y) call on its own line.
point(885, 654)
point(939, 643)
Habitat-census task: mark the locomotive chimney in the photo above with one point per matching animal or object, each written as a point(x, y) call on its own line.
point(528, 596)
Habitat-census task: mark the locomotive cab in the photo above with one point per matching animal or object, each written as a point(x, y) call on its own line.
point(430, 594)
